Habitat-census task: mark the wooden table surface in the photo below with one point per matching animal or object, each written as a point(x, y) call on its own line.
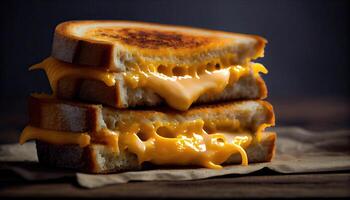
point(257, 185)
point(325, 114)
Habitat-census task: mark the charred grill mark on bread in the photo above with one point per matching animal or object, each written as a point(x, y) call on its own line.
point(152, 39)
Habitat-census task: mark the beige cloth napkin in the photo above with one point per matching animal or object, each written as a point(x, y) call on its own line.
point(298, 151)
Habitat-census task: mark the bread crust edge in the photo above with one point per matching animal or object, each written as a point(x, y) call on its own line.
point(85, 52)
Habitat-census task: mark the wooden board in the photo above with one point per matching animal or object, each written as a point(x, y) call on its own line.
point(258, 185)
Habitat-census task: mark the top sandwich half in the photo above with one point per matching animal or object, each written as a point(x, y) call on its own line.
point(125, 64)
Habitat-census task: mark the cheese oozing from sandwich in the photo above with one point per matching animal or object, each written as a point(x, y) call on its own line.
point(185, 143)
point(54, 137)
point(180, 87)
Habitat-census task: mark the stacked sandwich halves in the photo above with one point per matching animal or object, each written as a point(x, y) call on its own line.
point(129, 93)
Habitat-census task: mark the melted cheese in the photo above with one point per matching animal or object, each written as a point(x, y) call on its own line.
point(183, 143)
point(54, 137)
point(56, 70)
point(193, 146)
point(178, 91)
point(108, 137)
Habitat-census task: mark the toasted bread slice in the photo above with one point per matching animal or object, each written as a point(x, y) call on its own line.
point(99, 158)
point(121, 45)
point(53, 114)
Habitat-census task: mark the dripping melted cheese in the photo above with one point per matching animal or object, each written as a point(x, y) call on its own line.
point(180, 87)
point(54, 137)
point(160, 143)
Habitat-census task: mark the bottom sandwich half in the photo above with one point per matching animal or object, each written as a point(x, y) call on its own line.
point(97, 139)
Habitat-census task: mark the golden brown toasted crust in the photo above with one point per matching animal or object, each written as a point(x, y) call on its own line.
point(121, 96)
point(77, 117)
point(110, 45)
point(82, 52)
point(100, 159)
point(47, 112)
point(153, 39)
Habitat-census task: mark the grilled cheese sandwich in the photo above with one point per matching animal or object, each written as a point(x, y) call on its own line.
point(101, 72)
